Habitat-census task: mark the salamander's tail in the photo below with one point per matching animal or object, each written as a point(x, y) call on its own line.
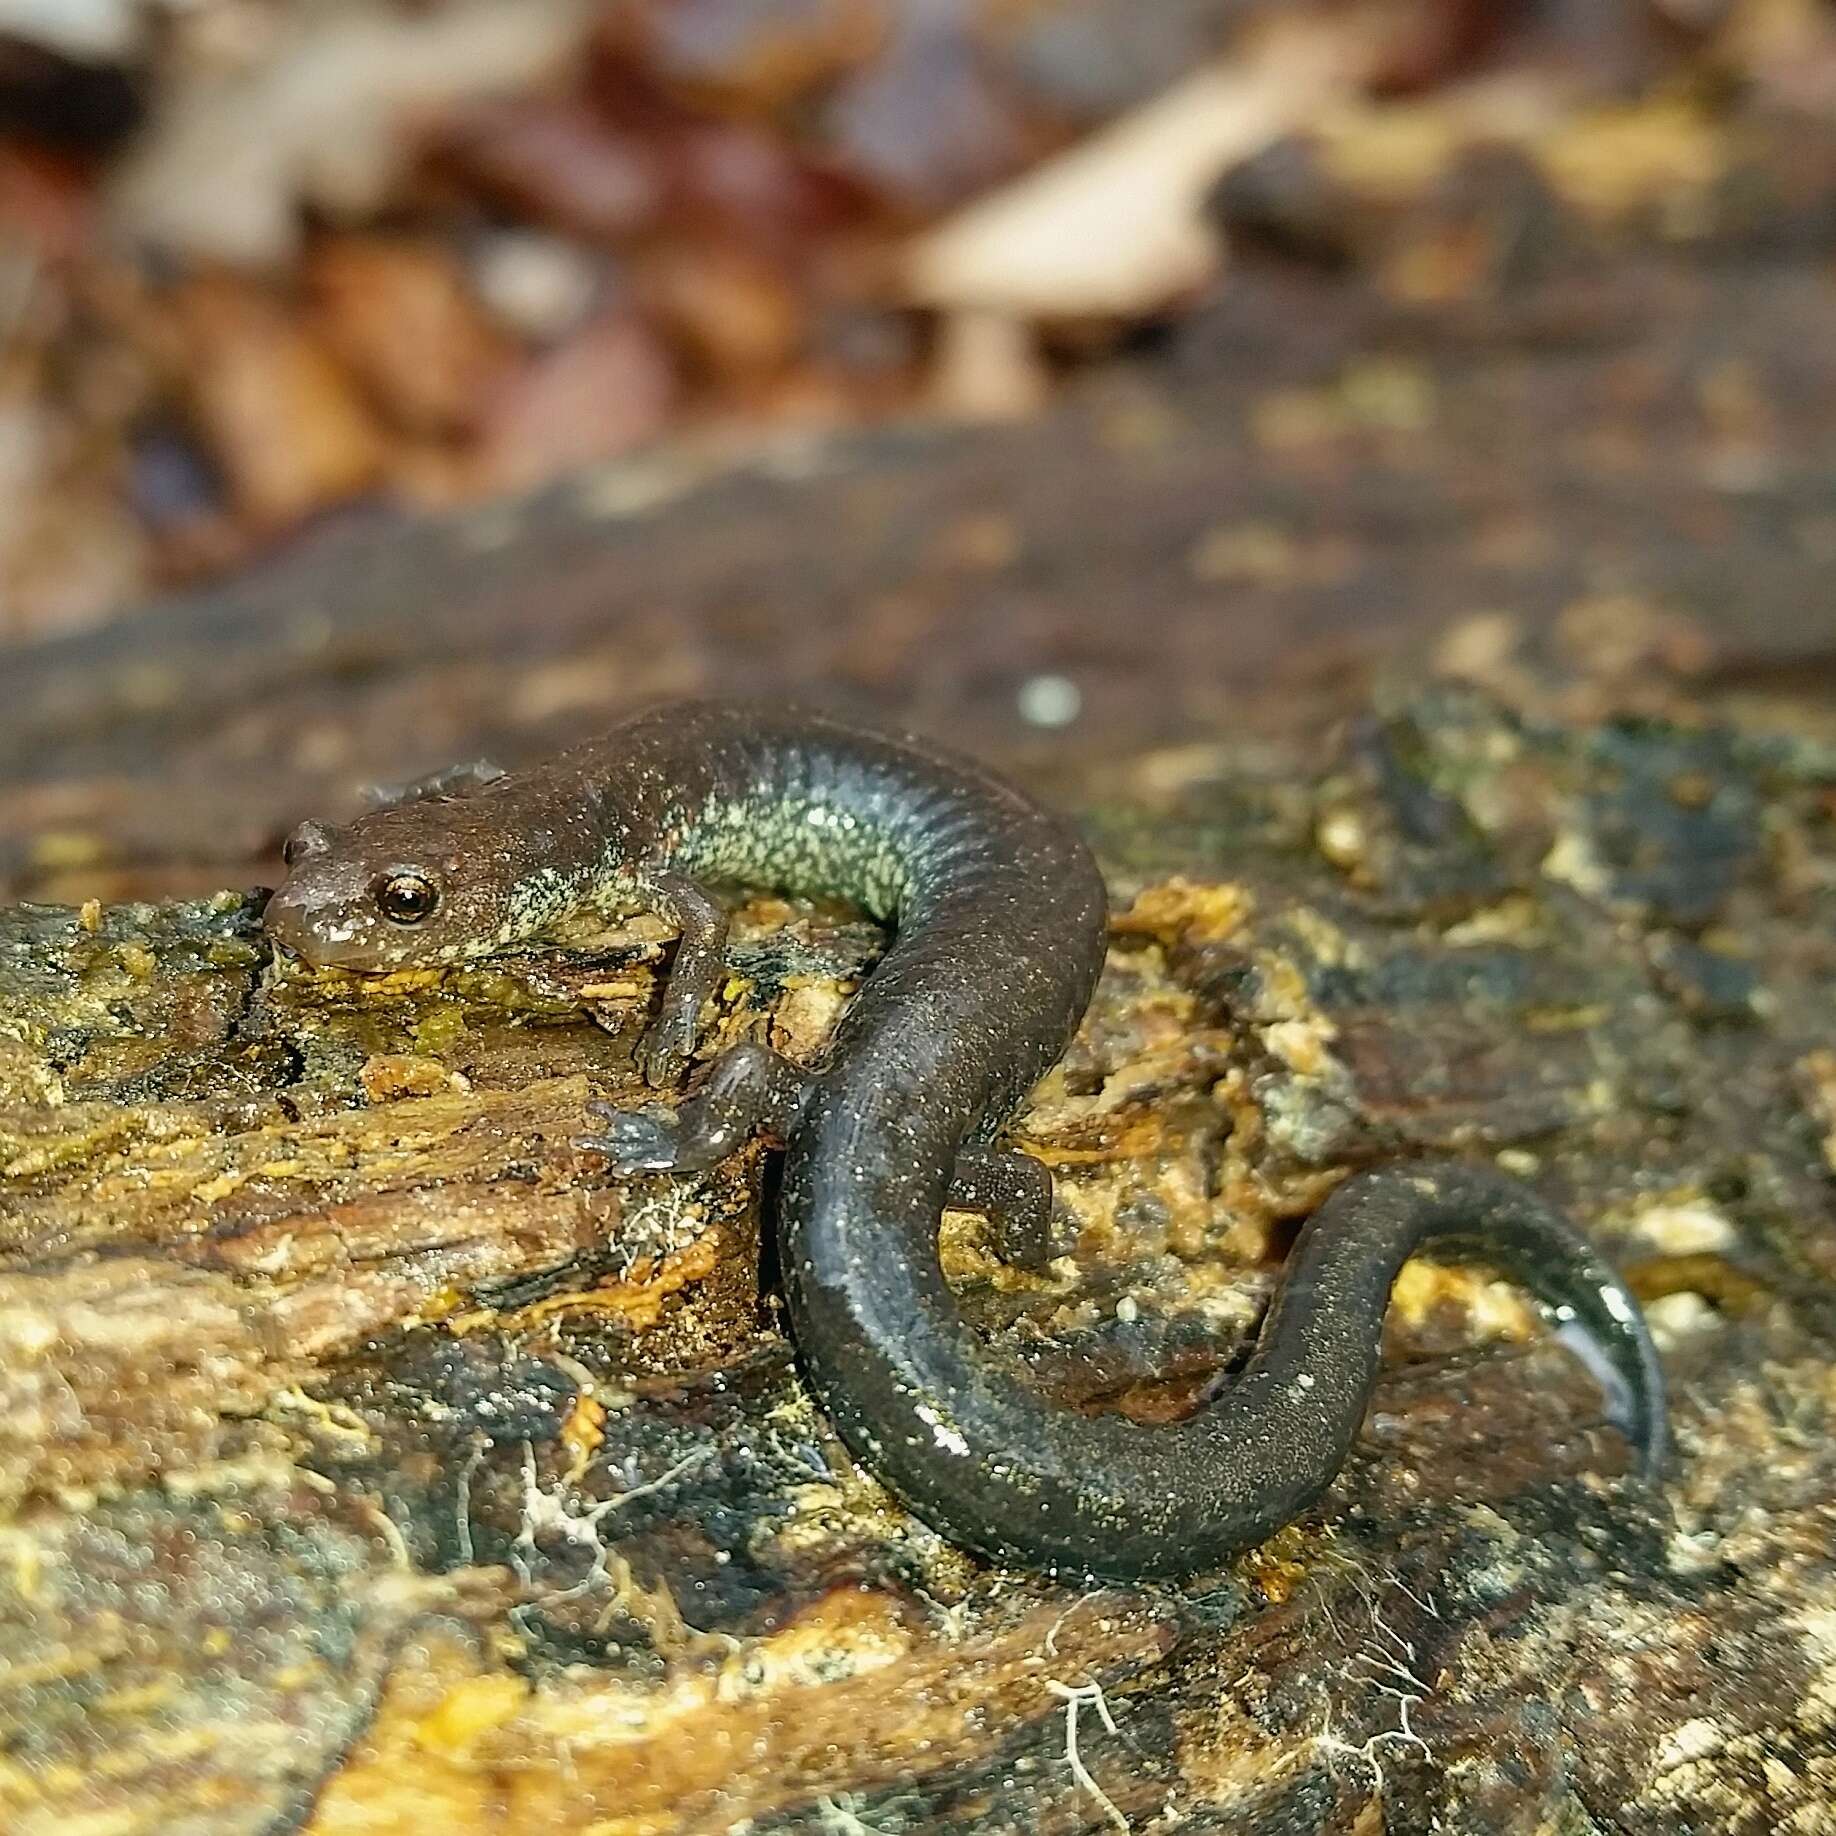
point(1348, 1253)
point(984, 1458)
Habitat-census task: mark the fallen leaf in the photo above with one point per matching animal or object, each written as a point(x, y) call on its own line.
point(401, 316)
point(603, 391)
point(283, 419)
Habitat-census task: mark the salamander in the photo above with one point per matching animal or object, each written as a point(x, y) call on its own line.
point(998, 914)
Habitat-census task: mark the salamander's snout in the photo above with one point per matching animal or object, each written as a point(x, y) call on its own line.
point(324, 911)
point(297, 922)
point(284, 920)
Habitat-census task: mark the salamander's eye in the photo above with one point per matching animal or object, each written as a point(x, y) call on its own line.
point(406, 898)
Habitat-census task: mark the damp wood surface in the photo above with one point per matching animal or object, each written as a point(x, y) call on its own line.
point(371, 1460)
point(369, 1456)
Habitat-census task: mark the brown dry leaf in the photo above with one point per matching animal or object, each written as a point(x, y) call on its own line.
point(1117, 224)
point(561, 160)
point(749, 185)
point(66, 561)
point(283, 419)
point(731, 311)
point(607, 389)
point(69, 549)
point(758, 54)
point(73, 557)
point(926, 122)
point(45, 204)
point(401, 316)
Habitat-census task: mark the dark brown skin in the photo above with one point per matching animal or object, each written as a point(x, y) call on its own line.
point(1000, 919)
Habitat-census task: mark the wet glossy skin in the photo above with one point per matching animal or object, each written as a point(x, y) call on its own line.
point(1000, 928)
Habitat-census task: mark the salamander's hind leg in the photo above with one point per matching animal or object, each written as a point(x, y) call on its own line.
point(1015, 1192)
point(750, 1091)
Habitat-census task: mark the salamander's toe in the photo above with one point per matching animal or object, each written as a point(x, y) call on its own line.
point(664, 1050)
point(633, 1141)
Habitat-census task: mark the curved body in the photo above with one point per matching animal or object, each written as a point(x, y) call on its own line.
point(999, 918)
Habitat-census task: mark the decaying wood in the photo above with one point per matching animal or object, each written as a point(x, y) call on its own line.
point(371, 1458)
point(372, 1461)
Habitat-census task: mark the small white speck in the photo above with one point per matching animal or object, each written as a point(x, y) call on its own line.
point(1128, 1310)
point(946, 1437)
point(1049, 701)
point(1617, 1305)
point(1304, 1381)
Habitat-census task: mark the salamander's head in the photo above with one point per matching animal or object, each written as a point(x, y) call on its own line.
point(414, 886)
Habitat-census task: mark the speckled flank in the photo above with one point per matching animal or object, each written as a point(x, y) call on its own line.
point(999, 915)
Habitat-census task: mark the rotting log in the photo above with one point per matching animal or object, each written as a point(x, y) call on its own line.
point(372, 1459)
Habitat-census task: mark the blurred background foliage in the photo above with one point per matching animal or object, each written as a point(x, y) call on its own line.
point(265, 263)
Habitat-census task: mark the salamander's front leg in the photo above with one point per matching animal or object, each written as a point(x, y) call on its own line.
point(694, 976)
point(1014, 1191)
point(751, 1090)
